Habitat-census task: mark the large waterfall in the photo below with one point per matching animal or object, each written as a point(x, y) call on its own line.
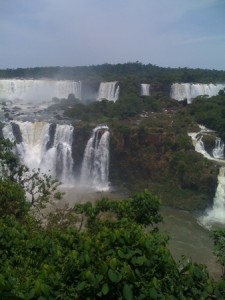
point(108, 91)
point(39, 150)
point(95, 166)
point(145, 89)
point(48, 147)
point(182, 91)
point(43, 90)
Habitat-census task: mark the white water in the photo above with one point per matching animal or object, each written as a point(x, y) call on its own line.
point(38, 91)
point(189, 91)
point(199, 144)
point(56, 161)
point(108, 91)
point(53, 154)
point(145, 89)
point(216, 214)
point(218, 151)
point(95, 166)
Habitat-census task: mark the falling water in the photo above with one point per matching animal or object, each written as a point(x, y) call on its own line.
point(218, 151)
point(217, 213)
point(30, 90)
point(95, 166)
point(189, 91)
point(35, 154)
point(108, 91)
point(145, 89)
point(199, 144)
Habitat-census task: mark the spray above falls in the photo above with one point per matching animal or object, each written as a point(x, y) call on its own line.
point(42, 90)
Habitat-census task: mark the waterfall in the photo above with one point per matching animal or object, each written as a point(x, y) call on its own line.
point(189, 91)
point(145, 89)
point(217, 213)
point(108, 91)
point(34, 149)
point(199, 144)
point(95, 165)
point(218, 151)
point(37, 91)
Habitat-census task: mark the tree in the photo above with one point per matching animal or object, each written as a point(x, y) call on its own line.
point(21, 188)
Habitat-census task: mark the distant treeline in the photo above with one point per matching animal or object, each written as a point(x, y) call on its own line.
point(135, 72)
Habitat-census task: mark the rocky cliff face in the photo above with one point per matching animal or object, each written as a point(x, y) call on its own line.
point(164, 162)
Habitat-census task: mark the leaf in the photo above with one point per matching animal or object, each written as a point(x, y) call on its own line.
point(81, 286)
point(114, 276)
point(113, 263)
point(127, 292)
point(105, 288)
point(153, 293)
point(140, 260)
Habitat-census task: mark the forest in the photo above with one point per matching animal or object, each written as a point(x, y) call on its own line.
point(102, 250)
point(113, 249)
point(134, 72)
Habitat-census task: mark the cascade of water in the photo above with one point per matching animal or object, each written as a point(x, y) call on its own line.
point(108, 91)
point(59, 157)
point(199, 144)
point(30, 90)
point(189, 91)
point(145, 89)
point(218, 151)
point(217, 213)
point(95, 166)
point(35, 153)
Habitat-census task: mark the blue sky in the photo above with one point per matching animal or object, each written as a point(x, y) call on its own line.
point(167, 33)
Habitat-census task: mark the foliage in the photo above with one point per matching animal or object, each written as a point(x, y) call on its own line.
point(114, 258)
point(109, 255)
point(219, 247)
point(210, 112)
point(157, 153)
point(127, 73)
point(12, 199)
point(23, 189)
point(142, 208)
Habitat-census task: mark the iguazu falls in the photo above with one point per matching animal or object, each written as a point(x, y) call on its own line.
point(101, 154)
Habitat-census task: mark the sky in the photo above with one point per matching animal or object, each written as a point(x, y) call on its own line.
point(166, 33)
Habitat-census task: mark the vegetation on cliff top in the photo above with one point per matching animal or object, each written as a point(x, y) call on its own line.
point(128, 72)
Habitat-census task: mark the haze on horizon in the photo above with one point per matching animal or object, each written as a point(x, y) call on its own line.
point(167, 33)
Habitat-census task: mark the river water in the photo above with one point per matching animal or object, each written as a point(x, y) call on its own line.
point(187, 237)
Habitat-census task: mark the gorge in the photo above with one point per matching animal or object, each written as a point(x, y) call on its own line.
point(138, 139)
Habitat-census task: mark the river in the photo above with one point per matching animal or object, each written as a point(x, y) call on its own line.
point(187, 237)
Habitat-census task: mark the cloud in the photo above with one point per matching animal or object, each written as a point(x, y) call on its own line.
point(81, 32)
